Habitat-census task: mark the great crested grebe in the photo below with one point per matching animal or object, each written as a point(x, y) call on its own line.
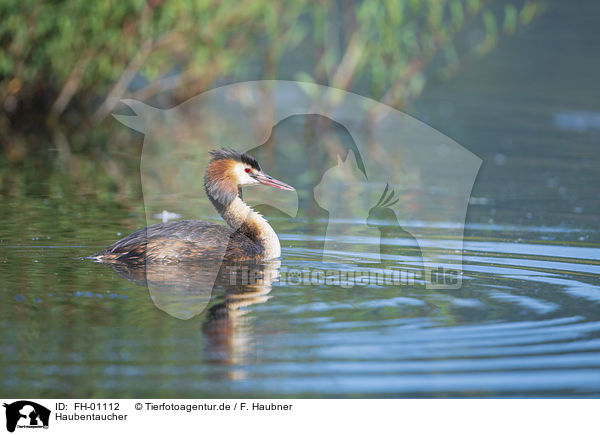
point(248, 237)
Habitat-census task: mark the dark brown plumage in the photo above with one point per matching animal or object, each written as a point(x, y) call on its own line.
point(179, 241)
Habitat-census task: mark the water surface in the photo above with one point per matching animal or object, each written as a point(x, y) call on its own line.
point(524, 323)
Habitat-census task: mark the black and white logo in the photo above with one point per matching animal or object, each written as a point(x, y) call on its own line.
point(25, 414)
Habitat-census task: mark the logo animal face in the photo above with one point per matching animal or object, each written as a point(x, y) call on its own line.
point(31, 412)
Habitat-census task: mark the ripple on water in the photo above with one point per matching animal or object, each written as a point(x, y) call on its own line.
point(524, 323)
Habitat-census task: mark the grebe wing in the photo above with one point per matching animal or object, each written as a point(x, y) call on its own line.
point(180, 240)
point(200, 232)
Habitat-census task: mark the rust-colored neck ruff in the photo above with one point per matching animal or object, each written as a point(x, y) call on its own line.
point(222, 189)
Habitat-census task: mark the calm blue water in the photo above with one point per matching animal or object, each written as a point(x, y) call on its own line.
point(525, 323)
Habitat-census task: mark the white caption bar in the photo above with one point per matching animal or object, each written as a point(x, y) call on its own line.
point(261, 416)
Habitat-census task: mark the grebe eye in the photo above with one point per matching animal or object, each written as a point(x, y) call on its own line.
point(247, 170)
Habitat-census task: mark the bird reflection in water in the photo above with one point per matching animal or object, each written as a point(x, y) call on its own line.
point(185, 290)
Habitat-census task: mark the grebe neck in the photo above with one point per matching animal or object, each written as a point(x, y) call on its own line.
point(241, 217)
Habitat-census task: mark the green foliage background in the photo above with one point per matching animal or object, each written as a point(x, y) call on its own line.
point(64, 65)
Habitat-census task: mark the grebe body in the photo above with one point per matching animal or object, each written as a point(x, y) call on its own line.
point(248, 235)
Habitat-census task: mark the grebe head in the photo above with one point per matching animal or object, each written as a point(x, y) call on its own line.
point(229, 169)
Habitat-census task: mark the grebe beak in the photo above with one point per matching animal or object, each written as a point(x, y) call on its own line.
point(267, 180)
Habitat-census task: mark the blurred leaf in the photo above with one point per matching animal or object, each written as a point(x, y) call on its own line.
point(530, 10)
point(491, 30)
point(510, 19)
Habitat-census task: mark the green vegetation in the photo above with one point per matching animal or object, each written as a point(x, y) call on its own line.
point(64, 65)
